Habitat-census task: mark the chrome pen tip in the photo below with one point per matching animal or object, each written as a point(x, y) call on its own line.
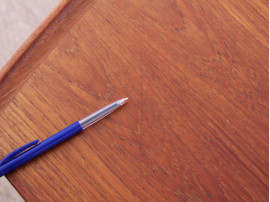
point(123, 101)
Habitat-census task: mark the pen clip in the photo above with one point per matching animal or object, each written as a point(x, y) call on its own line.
point(16, 152)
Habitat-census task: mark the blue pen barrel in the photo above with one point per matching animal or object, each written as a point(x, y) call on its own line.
point(41, 148)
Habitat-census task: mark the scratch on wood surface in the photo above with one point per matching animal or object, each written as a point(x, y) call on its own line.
point(141, 105)
point(69, 44)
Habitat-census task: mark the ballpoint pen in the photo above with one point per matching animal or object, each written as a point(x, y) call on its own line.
point(24, 154)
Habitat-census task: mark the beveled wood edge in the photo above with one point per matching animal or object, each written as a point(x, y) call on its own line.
point(26, 44)
point(11, 69)
point(38, 45)
point(31, 39)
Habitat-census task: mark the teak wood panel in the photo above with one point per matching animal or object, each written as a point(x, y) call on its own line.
point(196, 123)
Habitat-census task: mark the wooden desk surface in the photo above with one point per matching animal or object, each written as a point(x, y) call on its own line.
point(195, 127)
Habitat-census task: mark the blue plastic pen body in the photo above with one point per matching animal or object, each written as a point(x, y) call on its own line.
point(21, 156)
point(41, 148)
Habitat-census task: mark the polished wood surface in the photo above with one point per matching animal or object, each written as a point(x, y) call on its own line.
point(196, 124)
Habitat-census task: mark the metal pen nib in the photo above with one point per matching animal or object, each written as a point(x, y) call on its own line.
point(123, 101)
point(100, 114)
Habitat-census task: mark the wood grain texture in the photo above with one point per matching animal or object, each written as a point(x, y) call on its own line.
point(37, 47)
point(195, 127)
